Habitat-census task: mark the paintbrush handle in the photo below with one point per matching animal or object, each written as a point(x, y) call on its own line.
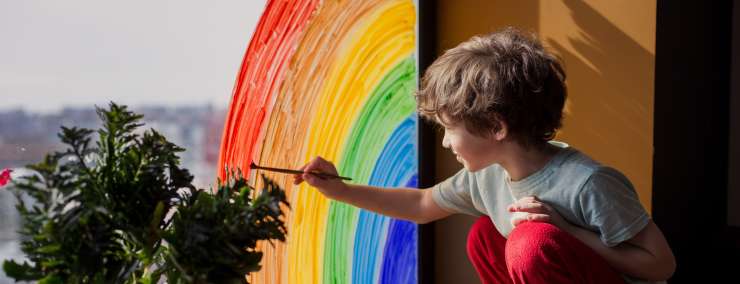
point(325, 175)
point(278, 170)
point(296, 172)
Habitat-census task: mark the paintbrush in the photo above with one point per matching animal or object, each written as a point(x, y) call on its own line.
point(296, 172)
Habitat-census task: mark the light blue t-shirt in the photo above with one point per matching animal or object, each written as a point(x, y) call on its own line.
point(586, 193)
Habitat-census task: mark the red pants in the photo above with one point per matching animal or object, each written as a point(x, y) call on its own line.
point(534, 253)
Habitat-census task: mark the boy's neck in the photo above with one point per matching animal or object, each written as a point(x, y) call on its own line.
point(522, 162)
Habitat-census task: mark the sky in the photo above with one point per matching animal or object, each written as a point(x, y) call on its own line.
point(80, 53)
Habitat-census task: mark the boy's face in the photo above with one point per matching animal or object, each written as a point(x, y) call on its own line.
point(473, 151)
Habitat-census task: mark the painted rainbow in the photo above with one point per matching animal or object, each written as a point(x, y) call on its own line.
point(334, 79)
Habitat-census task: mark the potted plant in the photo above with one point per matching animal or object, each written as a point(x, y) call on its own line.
point(124, 211)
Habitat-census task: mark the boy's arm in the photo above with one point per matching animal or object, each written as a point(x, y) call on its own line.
point(415, 205)
point(646, 256)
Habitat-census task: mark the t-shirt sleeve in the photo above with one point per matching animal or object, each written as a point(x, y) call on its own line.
point(453, 194)
point(611, 206)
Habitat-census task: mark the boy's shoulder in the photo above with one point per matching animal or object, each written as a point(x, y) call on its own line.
point(581, 169)
point(577, 163)
point(570, 169)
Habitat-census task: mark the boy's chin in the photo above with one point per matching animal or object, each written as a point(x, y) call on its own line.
point(473, 167)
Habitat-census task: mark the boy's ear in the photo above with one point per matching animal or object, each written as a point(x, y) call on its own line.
point(502, 132)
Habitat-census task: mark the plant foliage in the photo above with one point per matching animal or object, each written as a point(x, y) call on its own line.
point(100, 213)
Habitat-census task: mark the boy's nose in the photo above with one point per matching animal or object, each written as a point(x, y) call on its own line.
point(445, 141)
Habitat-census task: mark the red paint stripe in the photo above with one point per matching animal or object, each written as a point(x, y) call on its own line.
point(269, 52)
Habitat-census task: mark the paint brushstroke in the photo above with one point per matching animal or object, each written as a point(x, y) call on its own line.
point(396, 166)
point(389, 104)
point(402, 245)
point(272, 45)
point(311, 73)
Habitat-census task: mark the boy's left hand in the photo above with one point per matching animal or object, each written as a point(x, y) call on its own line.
point(536, 211)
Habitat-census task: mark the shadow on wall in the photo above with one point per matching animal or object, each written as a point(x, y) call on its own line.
point(612, 90)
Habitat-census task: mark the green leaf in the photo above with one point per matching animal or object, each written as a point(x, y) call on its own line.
point(157, 217)
point(21, 272)
point(52, 263)
point(49, 248)
point(51, 279)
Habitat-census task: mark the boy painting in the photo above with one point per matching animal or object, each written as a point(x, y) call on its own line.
point(548, 213)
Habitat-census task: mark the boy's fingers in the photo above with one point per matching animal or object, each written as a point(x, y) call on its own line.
point(313, 179)
point(321, 166)
point(518, 217)
point(313, 171)
point(303, 168)
point(297, 178)
point(308, 179)
point(326, 164)
point(529, 207)
point(312, 167)
point(520, 202)
point(538, 217)
point(318, 174)
point(523, 200)
point(529, 217)
point(316, 163)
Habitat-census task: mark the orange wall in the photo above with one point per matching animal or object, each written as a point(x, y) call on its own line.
point(609, 52)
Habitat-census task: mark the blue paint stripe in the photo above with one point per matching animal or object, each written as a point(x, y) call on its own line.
point(396, 166)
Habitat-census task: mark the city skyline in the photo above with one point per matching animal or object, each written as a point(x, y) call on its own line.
point(25, 137)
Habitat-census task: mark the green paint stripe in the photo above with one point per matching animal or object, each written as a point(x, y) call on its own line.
point(389, 104)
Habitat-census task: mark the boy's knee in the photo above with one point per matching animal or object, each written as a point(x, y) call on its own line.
point(530, 243)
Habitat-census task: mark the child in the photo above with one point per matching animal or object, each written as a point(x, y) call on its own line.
point(549, 213)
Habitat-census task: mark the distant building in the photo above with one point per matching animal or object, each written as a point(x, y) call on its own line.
point(26, 137)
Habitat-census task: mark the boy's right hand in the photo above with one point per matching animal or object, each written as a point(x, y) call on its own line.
point(331, 187)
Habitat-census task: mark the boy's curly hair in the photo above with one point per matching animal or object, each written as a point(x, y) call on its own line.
point(503, 76)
